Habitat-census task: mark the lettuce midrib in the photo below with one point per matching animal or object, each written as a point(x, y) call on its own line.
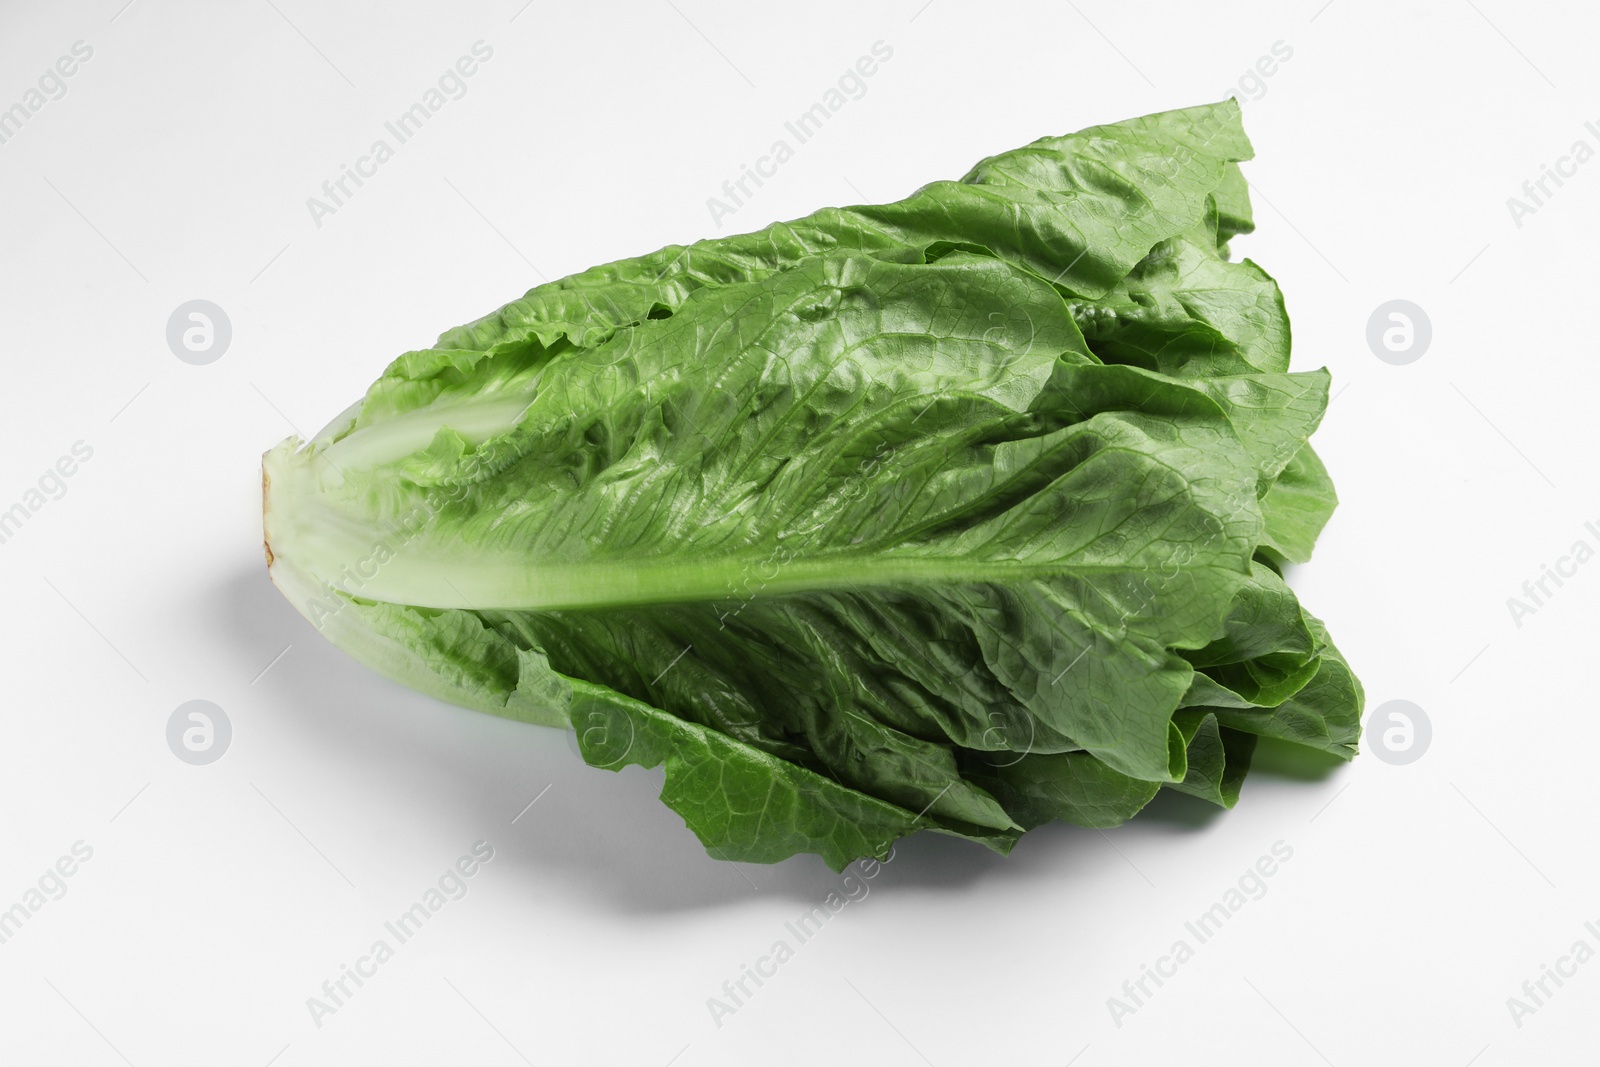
point(327, 537)
point(360, 560)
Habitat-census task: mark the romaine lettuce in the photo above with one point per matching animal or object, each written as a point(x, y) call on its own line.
point(965, 512)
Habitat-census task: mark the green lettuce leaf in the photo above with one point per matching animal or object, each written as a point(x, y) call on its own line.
point(1218, 758)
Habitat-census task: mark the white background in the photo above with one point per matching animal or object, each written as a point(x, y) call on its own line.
point(219, 898)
